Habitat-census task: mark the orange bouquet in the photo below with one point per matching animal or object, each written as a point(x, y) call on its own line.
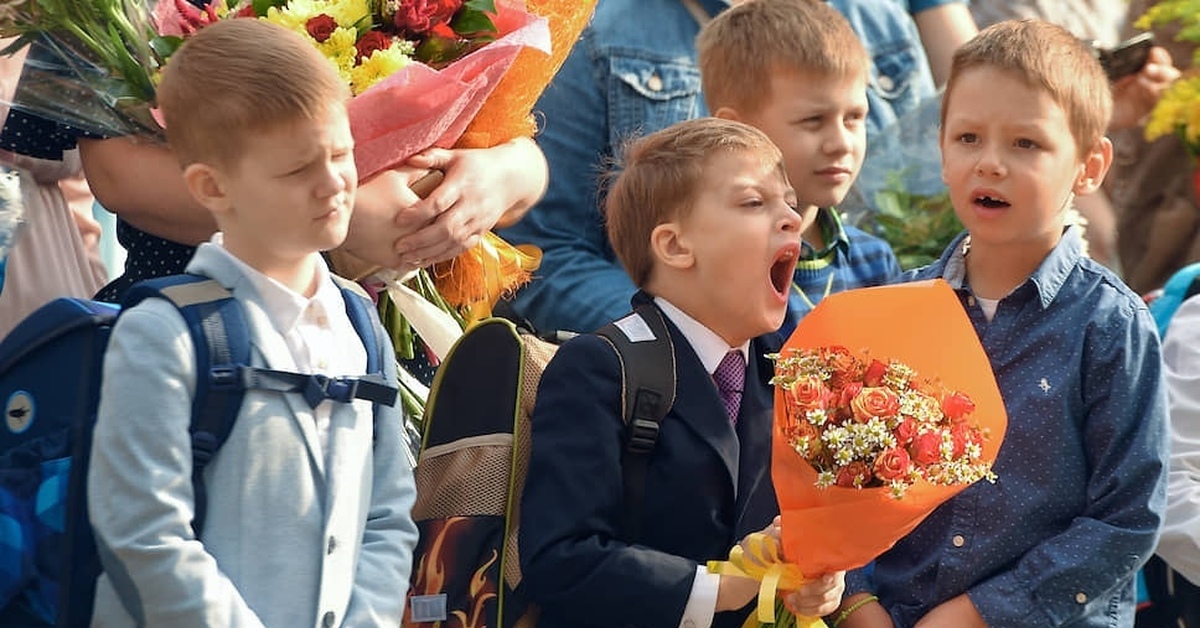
point(865, 448)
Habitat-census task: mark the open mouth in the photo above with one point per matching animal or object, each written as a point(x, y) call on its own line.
point(991, 202)
point(782, 268)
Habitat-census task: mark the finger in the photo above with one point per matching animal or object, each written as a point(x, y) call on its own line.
point(438, 158)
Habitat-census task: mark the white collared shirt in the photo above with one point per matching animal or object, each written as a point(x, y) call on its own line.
point(711, 349)
point(317, 330)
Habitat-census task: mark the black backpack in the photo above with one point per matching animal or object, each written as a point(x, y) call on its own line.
point(475, 453)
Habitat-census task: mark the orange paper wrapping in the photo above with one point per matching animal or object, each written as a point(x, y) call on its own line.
point(923, 325)
point(475, 280)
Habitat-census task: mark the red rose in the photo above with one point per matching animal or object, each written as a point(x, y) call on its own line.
point(962, 435)
point(246, 11)
point(957, 406)
point(809, 394)
point(874, 402)
point(892, 464)
point(905, 432)
point(854, 475)
point(321, 27)
point(927, 448)
point(875, 373)
point(369, 43)
point(419, 16)
point(849, 392)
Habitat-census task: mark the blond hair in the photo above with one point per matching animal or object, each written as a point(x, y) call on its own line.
point(238, 77)
point(742, 47)
point(1046, 57)
point(662, 174)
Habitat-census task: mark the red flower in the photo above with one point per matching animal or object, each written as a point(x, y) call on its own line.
point(369, 43)
point(927, 448)
point(892, 464)
point(875, 402)
point(906, 431)
point(321, 27)
point(875, 373)
point(854, 475)
point(419, 16)
point(849, 392)
point(962, 435)
point(957, 406)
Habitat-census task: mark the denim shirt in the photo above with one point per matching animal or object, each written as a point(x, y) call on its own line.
point(1078, 503)
point(634, 72)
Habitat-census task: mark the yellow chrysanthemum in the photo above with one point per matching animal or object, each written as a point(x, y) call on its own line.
point(1178, 111)
point(346, 13)
point(380, 65)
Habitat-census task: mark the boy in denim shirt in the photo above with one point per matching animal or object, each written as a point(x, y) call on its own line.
point(811, 100)
point(1059, 537)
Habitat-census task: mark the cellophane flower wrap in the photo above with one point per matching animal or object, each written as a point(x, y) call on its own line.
point(885, 407)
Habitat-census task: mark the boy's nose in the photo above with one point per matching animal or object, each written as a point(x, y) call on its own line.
point(332, 181)
point(839, 140)
point(989, 166)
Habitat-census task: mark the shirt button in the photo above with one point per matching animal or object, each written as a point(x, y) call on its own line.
point(886, 83)
point(1081, 597)
point(332, 545)
point(654, 83)
point(328, 619)
point(958, 540)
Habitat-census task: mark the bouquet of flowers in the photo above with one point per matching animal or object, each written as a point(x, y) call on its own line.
point(1178, 111)
point(862, 422)
point(864, 448)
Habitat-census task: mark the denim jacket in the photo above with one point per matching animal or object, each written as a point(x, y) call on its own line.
point(634, 72)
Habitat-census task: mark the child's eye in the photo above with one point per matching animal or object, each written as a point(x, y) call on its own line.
point(1026, 143)
point(968, 138)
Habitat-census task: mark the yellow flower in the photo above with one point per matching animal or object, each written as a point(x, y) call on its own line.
point(296, 13)
point(380, 65)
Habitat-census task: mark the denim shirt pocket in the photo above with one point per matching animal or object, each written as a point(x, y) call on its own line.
point(646, 94)
point(895, 83)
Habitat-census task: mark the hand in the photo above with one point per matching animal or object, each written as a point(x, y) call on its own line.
point(1134, 96)
point(377, 223)
point(817, 597)
point(483, 188)
point(956, 612)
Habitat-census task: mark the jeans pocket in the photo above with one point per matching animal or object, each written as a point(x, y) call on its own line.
point(646, 94)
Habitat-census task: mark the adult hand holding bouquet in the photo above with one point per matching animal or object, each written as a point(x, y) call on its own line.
point(885, 407)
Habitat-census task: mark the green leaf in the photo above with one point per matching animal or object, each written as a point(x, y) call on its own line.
point(481, 5)
point(437, 51)
point(261, 6)
point(472, 22)
point(165, 45)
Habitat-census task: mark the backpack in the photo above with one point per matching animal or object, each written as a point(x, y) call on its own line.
point(1184, 283)
point(50, 372)
point(475, 453)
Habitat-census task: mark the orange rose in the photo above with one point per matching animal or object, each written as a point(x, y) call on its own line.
point(874, 402)
point(957, 406)
point(854, 475)
point(927, 448)
point(848, 393)
point(892, 464)
point(809, 394)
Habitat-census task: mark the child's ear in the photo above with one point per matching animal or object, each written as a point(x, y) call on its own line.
point(670, 247)
point(728, 113)
point(205, 184)
point(1094, 167)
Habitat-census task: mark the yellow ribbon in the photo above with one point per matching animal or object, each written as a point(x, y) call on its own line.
point(762, 560)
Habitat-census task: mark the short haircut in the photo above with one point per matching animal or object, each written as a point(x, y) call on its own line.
point(1046, 57)
point(241, 76)
point(743, 46)
point(663, 173)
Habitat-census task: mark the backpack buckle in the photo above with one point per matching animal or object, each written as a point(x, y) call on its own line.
point(643, 434)
point(224, 377)
point(322, 387)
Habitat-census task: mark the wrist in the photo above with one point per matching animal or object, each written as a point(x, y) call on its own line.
point(734, 592)
point(850, 606)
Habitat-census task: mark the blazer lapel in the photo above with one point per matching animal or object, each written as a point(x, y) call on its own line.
point(268, 344)
point(756, 492)
point(698, 405)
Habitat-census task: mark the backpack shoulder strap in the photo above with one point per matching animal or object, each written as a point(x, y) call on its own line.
point(648, 391)
point(221, 339)
point(362, 315)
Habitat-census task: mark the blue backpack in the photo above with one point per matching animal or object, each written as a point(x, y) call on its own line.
point(1180, 286)
point(50, 371)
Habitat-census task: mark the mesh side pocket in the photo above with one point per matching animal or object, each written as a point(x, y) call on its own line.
point(464, 479)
